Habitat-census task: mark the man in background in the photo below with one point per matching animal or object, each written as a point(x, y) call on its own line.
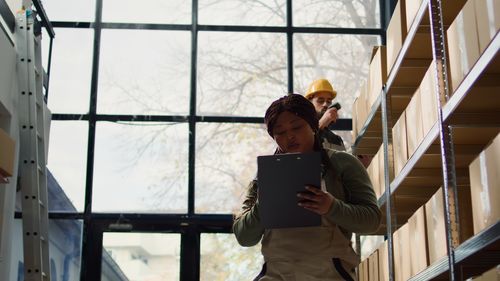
point(321, 94)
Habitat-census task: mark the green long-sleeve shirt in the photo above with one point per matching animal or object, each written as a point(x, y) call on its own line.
point(354, 209)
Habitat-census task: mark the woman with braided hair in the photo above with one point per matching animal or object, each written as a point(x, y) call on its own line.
point(345, 200)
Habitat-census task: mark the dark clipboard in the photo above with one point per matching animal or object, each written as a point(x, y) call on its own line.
point(279, 178)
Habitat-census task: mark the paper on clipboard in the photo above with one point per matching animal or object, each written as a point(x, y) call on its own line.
point(279, 178)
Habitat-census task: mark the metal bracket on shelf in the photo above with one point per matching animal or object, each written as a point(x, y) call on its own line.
point(445, 136)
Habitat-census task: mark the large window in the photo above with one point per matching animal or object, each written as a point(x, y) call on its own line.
point(144, 72)
point(240, 73)
point(158, 115)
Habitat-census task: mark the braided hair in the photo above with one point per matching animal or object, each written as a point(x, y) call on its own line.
point(295, 104)
point(301, 107)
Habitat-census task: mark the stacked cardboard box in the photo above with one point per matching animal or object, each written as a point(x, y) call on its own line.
point(488, 21)
point(414, 129)
point(383, 262)
point(485, 186)
point(363, 274)
point(418, 241)
point(416, 121)
point(491, 275)
point(435, 222)
point(359, 111)
point(428, 99)
point(411, 12)
point(402, 262)
point(400, 145)
point(376, 172)
point(377, 75)
point(374, 175)
point(468, 36)
point(373, 267)
point(412, 235)
point(463, 44)
point(450, 9)
point(396, 33)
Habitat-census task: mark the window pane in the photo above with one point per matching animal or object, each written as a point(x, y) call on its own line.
point(72, 10)
point(67, 163)
point(240, 73)
point(242, 12)
point(65, 237)
point(225, 164)
point(221, 258)
point(149, 11)
point(148, 73)
point(336, 13)
point(71, 71)
point(342, 59)
point(142, 166)
point(140, 256)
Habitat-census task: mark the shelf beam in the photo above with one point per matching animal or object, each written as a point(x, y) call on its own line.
point(481, 251)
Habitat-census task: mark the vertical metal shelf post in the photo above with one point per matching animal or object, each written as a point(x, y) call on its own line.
point(445, 136)
point(385, 18)
point(386, 107)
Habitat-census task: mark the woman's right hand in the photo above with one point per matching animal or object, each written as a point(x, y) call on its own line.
point(316, 200)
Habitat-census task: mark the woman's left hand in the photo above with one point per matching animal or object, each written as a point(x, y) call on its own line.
point(316, 200)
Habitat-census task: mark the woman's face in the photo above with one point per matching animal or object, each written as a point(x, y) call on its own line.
point(293, 134)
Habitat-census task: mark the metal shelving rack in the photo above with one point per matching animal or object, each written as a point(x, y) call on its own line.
point(443, 142)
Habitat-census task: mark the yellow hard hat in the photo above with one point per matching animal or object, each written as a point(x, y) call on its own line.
point(320, 85)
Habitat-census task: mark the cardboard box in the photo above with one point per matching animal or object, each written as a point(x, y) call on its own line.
point(377, 75)
point(7, 153)
point(411, 11)
point(428, 100)
point(383, 262)
point(463, 44)
point(491, 275)
point(485, 186)
point(488, 21)
point(373, 266)
point(381, 167)
point(399, 144)
point(418, 241)
point(396, 33)
point(414, 129)
point(373, 173)
point(361, 108)
point(465, 215)
point(402, 264)
point(363, 274)
point(450, 10)
point(435, 223)
point(376, 172)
